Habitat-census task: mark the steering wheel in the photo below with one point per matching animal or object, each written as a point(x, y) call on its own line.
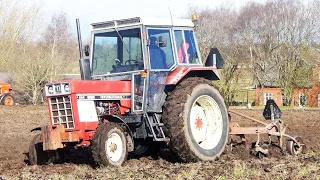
point(130, 62)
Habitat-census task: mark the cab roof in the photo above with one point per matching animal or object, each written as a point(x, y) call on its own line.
point(155, 22)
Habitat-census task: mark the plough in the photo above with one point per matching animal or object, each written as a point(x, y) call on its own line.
point(277, 128)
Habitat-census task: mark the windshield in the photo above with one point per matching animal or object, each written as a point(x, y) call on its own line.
point(115, 52)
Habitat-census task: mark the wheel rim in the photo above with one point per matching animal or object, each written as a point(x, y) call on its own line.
point(206, 122)
point(114, 147)
point(8, 101)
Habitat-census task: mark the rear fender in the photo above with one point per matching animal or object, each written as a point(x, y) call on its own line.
point(177, 75)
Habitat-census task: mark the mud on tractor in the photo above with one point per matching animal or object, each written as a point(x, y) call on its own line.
point(144, 85)
point(5, 94)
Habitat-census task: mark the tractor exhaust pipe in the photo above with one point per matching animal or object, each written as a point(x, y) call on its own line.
point(79, 38)
point(84, 63)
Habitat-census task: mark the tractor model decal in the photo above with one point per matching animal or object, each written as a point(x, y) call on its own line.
point(103, 97)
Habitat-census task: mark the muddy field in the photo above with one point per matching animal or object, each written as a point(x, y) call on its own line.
point(15, 135)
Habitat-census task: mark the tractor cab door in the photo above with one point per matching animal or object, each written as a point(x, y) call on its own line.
point(161, 62)
point(138, 92)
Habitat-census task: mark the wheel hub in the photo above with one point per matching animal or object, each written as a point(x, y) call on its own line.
point(199, 123)
point(113, 147)
point(8, 101)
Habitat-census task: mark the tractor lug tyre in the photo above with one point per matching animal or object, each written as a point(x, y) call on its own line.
point(36, 154)
point(96, 138)
point(7, 100)
point(109, 145)
point(196, 116)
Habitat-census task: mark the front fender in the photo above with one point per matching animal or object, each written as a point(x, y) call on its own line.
point(36, 129)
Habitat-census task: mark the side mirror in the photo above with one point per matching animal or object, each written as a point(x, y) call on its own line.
point(85, 69)
point(86, 50)
point(162, 40)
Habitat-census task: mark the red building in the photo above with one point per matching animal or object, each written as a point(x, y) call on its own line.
point(268, 93)
point(301, 96)
point(308, 96)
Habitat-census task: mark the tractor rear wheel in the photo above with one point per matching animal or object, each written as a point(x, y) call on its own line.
point(196, 116)
point(7, 100)
point(109, 145)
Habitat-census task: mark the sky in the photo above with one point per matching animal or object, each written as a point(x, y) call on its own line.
point(90, 11)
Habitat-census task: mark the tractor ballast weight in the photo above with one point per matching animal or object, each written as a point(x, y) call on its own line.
point(143, 86)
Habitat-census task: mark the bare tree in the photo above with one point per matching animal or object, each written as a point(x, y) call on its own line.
point(37, 62)
point(60, 42)
point(31, 72)
point(278, 39)
point(216, 28)
point(17, 24)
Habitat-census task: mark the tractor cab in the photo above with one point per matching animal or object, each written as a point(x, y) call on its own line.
point(151, 53)
point(142, 44)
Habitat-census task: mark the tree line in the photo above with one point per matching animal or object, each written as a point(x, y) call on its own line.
point(277, 41)
point(34, 55)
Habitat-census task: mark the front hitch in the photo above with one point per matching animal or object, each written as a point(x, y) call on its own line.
point(53, 137)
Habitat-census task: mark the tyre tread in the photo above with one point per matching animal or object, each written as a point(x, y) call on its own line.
point(175, 105)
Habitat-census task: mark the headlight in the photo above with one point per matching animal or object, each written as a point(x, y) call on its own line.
point(57, 88)
point(66, 88)
point(50, 90)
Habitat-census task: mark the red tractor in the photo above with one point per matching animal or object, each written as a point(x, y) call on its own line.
point(5, 94)
point(143, 85)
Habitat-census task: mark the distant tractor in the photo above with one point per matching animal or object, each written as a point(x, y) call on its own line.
point(144, 86)
point(5, 94)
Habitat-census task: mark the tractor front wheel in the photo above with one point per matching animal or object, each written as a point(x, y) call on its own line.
point(39, 157)
point(7, 100)
point(196, 116)
point(109, 145)
point(36, 154)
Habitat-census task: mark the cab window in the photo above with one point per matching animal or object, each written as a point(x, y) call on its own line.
point(117, 51)
point(160, 49)
point(186, 47)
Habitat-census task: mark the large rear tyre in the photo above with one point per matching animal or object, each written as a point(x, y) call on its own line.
point(7, 100)
point(196, 116)
point(109, 145)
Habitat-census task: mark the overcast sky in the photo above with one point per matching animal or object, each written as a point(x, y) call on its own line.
point(89, 11)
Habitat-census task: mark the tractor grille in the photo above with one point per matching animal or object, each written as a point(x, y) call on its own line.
point(61, 111)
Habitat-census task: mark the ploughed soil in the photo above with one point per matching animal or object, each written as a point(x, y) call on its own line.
point(236, 163)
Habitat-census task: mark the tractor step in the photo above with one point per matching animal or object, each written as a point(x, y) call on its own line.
point(156, 127)
point(157, 124)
